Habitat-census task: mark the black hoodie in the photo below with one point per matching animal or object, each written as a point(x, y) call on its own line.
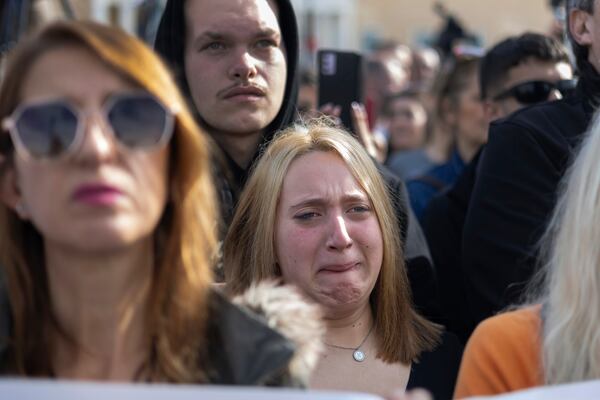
point(170, 43)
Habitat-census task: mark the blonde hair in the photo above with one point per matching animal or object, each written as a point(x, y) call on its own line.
point(249, 248)
point(185, 236)
point(570, 276)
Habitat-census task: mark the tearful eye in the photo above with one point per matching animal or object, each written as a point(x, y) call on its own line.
point(360, 209)
point(306, 215)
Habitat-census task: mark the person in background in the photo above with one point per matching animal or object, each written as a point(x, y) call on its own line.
point(557, 27)
point(407, 124)
point(316, 213)
point(554, 338)
point(307, 95)
point(425, 68)
point(460, 113)
point(518, 174)
point(515, 73)
point(388, 71)
point(108, 226)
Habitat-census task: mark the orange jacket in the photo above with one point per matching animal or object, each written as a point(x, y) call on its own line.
point(502, 355)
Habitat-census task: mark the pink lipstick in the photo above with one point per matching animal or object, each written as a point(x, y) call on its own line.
point(97, 194)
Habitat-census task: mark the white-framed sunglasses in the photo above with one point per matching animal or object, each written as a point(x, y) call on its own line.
point(53, 128)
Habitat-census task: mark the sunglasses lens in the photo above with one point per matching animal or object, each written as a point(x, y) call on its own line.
point(532, 92)
point(139, 121)
point(566, 87)
point(46, 130)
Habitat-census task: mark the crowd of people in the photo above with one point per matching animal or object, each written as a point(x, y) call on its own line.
point(177, 215)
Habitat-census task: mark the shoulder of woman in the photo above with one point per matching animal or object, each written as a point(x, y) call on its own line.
point(502, 355)
point(286, 311)
point(508, 328)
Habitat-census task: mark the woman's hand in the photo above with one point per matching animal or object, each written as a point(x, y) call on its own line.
point(360, 123)
point(360, 127)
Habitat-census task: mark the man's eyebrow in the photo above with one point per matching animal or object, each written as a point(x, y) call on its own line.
point(207, 36)
point(210, 35)
point(214, 35)
point(268, 32)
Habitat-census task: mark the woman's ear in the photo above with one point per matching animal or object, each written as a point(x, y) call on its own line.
point(10, 194)
point(581, 25)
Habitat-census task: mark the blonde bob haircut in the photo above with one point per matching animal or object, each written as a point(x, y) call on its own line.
point(570, 276)
point(249, 248)
point(185, 238)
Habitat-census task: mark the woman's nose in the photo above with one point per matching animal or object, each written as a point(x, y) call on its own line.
point(98, 140)
point(339, 237)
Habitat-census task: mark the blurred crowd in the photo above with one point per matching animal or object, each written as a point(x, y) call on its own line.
point(194, 211)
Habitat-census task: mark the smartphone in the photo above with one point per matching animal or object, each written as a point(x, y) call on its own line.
point(341, 81)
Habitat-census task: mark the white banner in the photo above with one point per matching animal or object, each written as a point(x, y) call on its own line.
point(573, 391)
point(25, 389)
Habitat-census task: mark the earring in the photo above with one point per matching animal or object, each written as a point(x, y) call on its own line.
point(21, 210)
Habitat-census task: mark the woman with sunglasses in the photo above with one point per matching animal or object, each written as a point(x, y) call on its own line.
point(107, 225)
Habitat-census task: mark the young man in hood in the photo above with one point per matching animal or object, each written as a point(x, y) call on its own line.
point(236, 61)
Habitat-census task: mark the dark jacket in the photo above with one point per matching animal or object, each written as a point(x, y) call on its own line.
point(437, 370)
point(443, 222)
point(242, 348)
point(514, 195)
point(419, 268)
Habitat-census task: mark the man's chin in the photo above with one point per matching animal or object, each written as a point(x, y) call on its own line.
point(242, 125)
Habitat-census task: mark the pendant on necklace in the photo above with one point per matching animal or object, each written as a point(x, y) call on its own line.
point(358, 355)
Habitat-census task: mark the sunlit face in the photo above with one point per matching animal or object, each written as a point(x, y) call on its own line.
point(101, 198)
point(235, 63)
point(327, 236)
point(407, 124)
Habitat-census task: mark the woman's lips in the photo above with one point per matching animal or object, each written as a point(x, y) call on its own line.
point(97, 194)
point(338, 268)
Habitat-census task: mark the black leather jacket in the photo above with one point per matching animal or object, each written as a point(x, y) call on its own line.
point(242, 349)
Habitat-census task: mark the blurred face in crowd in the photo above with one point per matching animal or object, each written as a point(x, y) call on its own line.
point(425, 66)
point(101, 197)
point(235, 63)
point(407, 124)
point(327, 235)
point(467, 116)
point(307, 100)
point(529, 70)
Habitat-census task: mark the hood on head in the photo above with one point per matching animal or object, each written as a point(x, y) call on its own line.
point(170, 44)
